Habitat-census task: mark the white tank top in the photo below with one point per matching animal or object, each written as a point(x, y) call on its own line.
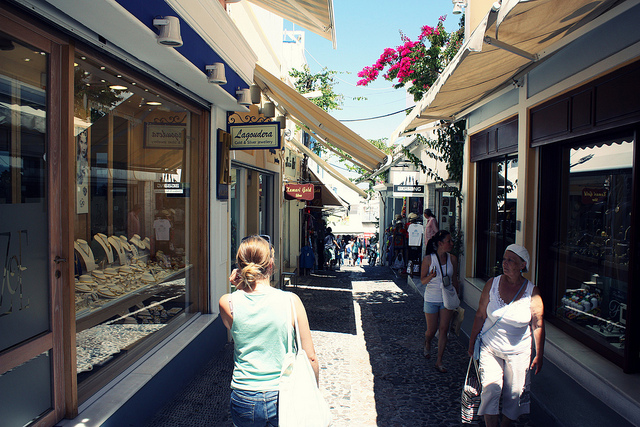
point(513, 333)
point(433, 291)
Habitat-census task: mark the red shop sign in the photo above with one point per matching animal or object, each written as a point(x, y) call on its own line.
point(298, 191)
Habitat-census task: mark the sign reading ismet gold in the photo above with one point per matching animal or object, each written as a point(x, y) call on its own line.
point(255, 136)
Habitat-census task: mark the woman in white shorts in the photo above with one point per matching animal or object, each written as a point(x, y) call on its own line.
point(505, 352)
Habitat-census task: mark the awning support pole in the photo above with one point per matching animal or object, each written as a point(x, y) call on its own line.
point(509, 48)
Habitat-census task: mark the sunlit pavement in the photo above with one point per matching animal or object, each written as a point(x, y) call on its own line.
point(368, 330)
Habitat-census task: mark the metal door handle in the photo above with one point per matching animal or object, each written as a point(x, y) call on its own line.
point(58, 260)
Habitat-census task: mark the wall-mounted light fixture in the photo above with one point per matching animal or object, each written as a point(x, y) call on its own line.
point(216, 74)
point(244, 96)
point(255, 93)
point(458, 6)
point(268, 109)
point(169, 34)
point(283, 122)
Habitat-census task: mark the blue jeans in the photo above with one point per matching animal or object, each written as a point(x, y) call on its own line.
point(254, 408)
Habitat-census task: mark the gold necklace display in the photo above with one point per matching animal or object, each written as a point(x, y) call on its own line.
point(102, 239)
point(116, 242)
point(84, 250)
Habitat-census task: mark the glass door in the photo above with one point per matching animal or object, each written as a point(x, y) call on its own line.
point(29, 347)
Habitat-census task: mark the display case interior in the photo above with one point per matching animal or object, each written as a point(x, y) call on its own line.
point(134, 214)
point(593, 250)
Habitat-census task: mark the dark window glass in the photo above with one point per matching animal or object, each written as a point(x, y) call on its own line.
point(496, 210)
point(591, 251)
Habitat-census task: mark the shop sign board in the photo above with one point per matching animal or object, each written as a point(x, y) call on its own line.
point(255, 136)
point(165, 135)
point(408, 190)
point(172, 189)
point(299, 191)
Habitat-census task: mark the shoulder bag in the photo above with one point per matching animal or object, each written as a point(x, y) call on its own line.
point(449, 294)
point(470, 399)
point(300, 402)
point(478, 344)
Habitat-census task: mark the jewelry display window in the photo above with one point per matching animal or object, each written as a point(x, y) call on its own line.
point(593, 247)
point(135, 218)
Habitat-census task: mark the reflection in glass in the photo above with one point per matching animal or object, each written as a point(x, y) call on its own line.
point(134, 255)
point(24, 265)
point(593, 249)
point(26, 391)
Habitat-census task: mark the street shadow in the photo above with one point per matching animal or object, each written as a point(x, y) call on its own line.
point(328, 299)
point(408, 389)
point(205, 400)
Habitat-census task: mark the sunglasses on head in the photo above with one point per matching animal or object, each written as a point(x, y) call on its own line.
point(262, 236)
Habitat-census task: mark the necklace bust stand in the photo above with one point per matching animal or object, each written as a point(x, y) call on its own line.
point(133, 252)
point(84, 250)
point(104, 242)
point(117, 245)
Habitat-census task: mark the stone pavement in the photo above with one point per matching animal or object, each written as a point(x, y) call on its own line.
point(368, 331)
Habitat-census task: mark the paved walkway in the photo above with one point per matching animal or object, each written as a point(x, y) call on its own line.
point(368, 330)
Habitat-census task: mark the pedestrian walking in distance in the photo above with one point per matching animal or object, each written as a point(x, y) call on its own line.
point(439, 268)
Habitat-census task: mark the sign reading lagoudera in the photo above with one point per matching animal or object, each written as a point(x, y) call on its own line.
point(255, 136)
point(298, 191)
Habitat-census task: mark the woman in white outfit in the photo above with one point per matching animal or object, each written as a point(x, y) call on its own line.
point(514, 305)
point(438, 266)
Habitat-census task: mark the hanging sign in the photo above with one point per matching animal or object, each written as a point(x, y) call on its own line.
point(298, 191)
point(255, 136)
point(408, 190)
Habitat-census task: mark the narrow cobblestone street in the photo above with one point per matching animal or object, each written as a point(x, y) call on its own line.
point(368, 330)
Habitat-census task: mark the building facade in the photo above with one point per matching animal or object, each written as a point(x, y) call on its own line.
point(551, 109)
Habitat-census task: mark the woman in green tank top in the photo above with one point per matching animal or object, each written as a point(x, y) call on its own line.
point(256, 315)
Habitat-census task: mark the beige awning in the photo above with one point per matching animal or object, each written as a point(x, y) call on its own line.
point(329, 198)
point(313, 15)
point(505, 43)
point(319, 121)
point(327, 167)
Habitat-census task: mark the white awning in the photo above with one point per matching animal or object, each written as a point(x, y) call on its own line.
point(313, 15)
point(319, 121)
point(327, 167)
point(506, 42)
point(329, 198)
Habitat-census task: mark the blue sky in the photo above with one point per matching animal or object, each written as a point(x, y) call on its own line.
point(364, 29)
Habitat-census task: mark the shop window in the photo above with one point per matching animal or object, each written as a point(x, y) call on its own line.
point(496, 213)
point(234, 206)
point(251, 204)
point(136, 218)
point(591, 250)
point(446, 210)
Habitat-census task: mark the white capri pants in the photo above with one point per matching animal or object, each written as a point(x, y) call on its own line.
point(506, 375)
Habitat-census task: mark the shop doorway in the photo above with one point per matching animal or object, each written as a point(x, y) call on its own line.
point(31, 363)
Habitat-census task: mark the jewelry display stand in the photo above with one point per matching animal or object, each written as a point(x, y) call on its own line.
point(116, 242)
point(128, 247)
point(84, 250)
point(104, 242)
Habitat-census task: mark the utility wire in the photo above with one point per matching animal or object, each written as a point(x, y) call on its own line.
point(377, 117)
